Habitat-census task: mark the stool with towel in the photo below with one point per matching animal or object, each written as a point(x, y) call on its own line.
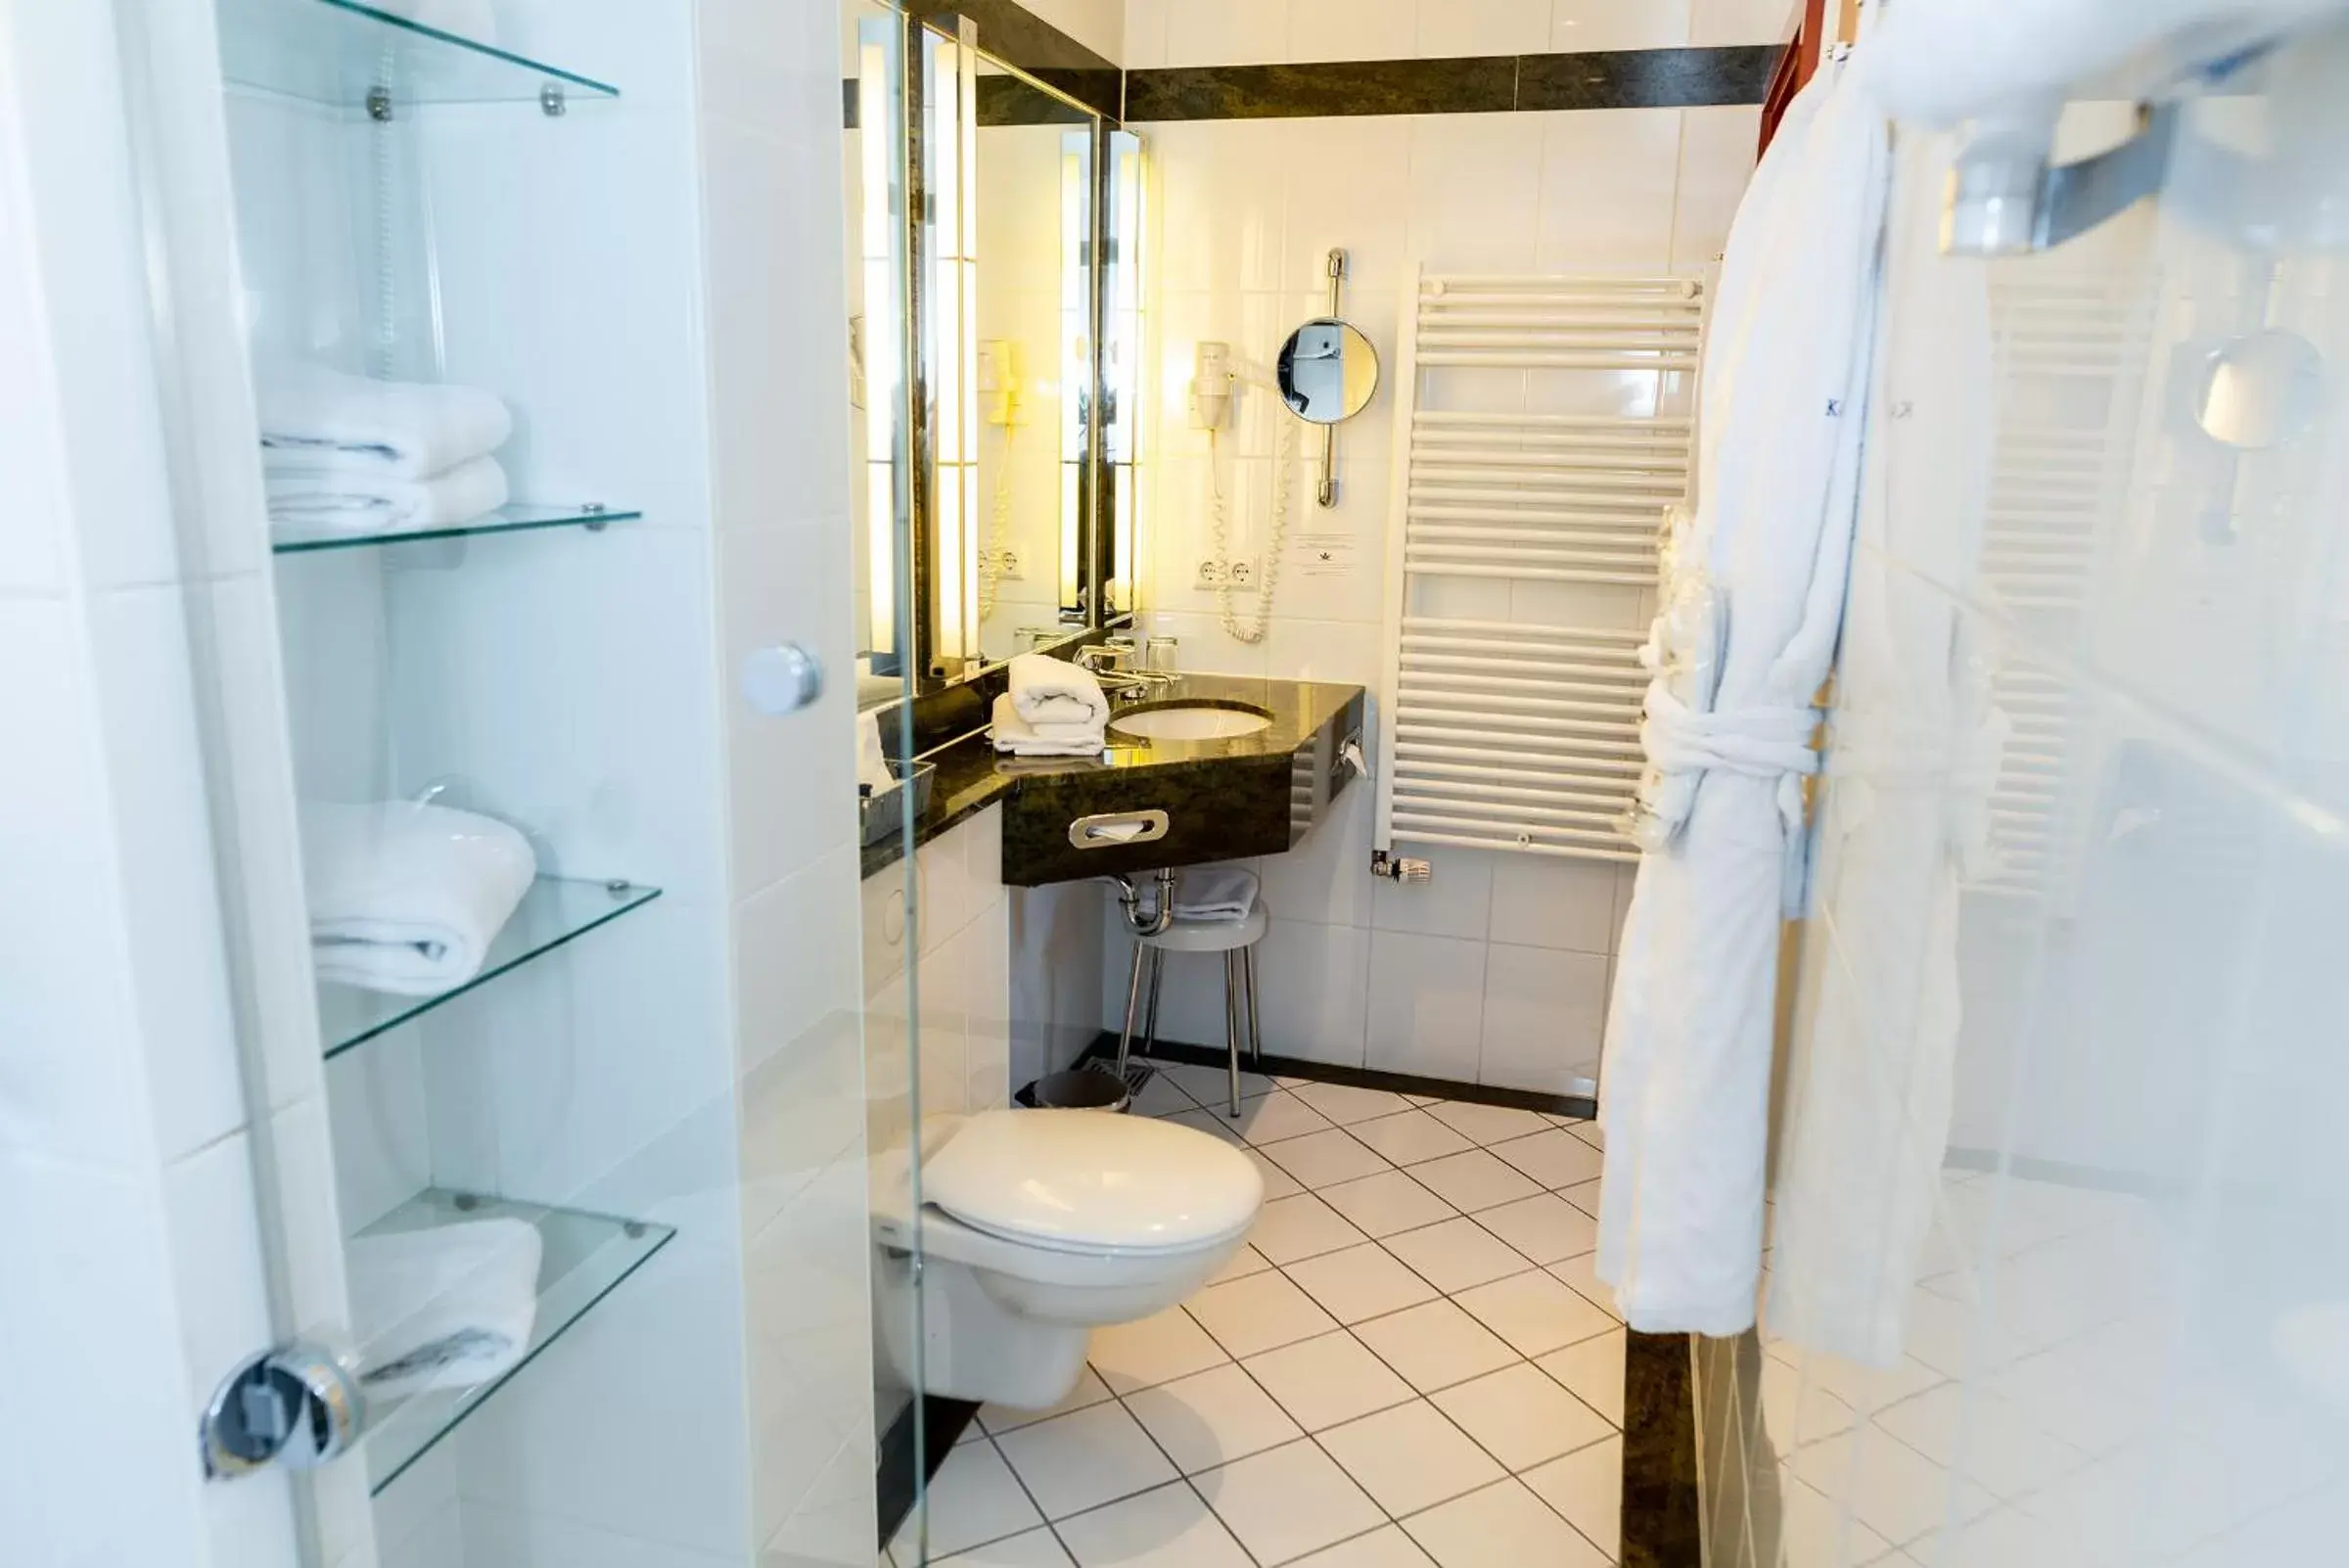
point(1216, 909)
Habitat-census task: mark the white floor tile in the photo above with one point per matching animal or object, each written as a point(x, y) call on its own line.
point(1584, 1195)
point(1555, 1158)
point(1981, 1435)
point(1580, 1274)
point(975, 1498)
point(1546, 1228)
point(1435, 1346)
point(1892, 1489)
point(1205, 1120)
point(1384, 1204)
point(1360, 1282)
point(1488, 1124)
point(1158, 1349)
point(1270, 1118)
point(1503, 1524)
point(1036, 1549)
point(1299, 1227)
point(1522, 1416)
point(1410, 1457)
point(1592, 1373)
point(1258, 1314)
point(1245, 1261)
point(1456, 1254)
point(1074, 1463)
point(1170, 1528)
point(1000, 1418)
point(1324, 1158)
point(1586, 1487)
point(1278, 1183)
point(1818, 1531)
point(1211, 1418)
point(1796, 1413)
point(1533, 1312)
point(1473, 1180)
point(1380, 1549)
point(1343, 1103)
point(1211, 1086)
point(1287, 1502)
point(1411, 1137)
point(1162, 1097)
point(1425, 1100)
point(1328, 1379)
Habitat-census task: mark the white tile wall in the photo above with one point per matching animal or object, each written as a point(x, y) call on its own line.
point(1413, 979)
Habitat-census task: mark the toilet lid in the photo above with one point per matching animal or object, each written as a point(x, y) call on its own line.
point(1093, 1178)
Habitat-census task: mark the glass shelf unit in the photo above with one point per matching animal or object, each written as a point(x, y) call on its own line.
point(354, 57)
point(512, 519)
point(584, 1258)
point(555, 910)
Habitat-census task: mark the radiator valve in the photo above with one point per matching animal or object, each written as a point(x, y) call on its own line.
point(1400, 868)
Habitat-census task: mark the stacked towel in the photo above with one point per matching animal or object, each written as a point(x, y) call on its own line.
point(873, 776)
point(447, 1308)
point(406, 898)
point(1017, 737)
point(1215, 893)
point(1052, 709)
point(345, 453)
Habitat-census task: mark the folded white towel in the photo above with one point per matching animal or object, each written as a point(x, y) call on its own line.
point(1053, 691)
point(346, 501)
point(405, 899)
point(315, 419)
point(873, 758)
point(1020, 738)
point(1215, 893)
point(449, 1307)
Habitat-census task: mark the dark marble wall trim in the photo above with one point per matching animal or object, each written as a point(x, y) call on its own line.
point(1625, 78)
point(1662, 1497)
point(1017, 36)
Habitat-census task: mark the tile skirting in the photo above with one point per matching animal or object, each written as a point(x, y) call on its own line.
point(1610, 78)
point(1105, 1044)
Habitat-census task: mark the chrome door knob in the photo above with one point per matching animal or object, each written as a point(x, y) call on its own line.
point(781, 679)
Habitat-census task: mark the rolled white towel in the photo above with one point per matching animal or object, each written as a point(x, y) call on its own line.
point(1053, 691)
point(349, 501)
point(1018, 737)
point(314, 419)
point(405, 899)
point(450, 1307)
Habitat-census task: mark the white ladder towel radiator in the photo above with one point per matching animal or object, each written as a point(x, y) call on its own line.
point(1517, 726)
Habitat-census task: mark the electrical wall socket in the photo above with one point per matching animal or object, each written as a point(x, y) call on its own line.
point(1211, 572)
point(1217, 572)
point(1241, 573)
point(1009, 568)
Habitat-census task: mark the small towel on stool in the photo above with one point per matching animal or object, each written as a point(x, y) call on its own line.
point(1224, 893)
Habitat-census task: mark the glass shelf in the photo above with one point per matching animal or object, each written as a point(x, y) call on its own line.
point(582, 1259)
point(340, 53)
point(554, 912)
point(513, 519)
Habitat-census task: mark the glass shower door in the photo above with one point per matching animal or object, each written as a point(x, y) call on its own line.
point(522, 680)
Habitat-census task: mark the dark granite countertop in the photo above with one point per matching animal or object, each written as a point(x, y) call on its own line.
point(971, 777)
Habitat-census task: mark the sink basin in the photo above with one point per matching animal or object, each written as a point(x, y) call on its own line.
point(1190, 722)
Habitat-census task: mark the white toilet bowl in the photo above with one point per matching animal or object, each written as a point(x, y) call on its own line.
point(1038, 1227)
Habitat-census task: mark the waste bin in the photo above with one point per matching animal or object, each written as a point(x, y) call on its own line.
point(1080, 1089)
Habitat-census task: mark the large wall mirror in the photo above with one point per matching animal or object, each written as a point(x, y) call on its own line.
point(995, 340)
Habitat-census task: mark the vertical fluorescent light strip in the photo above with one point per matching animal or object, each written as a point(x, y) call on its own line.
point(1076, 351)
point(1123, 360)
point(952, 267)
point(876, 122)
point(966, 251)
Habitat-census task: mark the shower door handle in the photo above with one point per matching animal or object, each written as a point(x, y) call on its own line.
point(295, 1406)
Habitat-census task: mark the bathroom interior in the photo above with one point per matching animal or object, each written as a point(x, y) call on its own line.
point(938, 799)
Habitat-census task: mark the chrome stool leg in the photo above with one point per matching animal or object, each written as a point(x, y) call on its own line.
point(1158, 974)
point(1231, 1025)
point(1256, 1032)
point(1133, 1000)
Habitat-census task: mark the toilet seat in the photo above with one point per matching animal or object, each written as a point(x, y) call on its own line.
point(1093, 1181)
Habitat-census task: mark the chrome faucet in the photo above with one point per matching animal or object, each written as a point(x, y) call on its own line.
point(1106, 661)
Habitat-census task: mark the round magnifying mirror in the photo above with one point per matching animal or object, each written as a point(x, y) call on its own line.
point(2261, 391)
point(1327, 371)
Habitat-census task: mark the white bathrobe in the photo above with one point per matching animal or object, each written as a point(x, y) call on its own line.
point(1685, 1099)
point(1903, 814)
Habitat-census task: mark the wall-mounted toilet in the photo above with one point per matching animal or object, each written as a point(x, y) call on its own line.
point(1036, 1227)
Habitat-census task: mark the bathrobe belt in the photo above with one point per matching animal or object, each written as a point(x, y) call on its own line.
point(1762, 740)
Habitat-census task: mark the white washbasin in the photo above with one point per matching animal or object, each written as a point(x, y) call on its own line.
point(1190, 722)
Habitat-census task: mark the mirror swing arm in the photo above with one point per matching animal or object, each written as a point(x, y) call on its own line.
point(1326, 493)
